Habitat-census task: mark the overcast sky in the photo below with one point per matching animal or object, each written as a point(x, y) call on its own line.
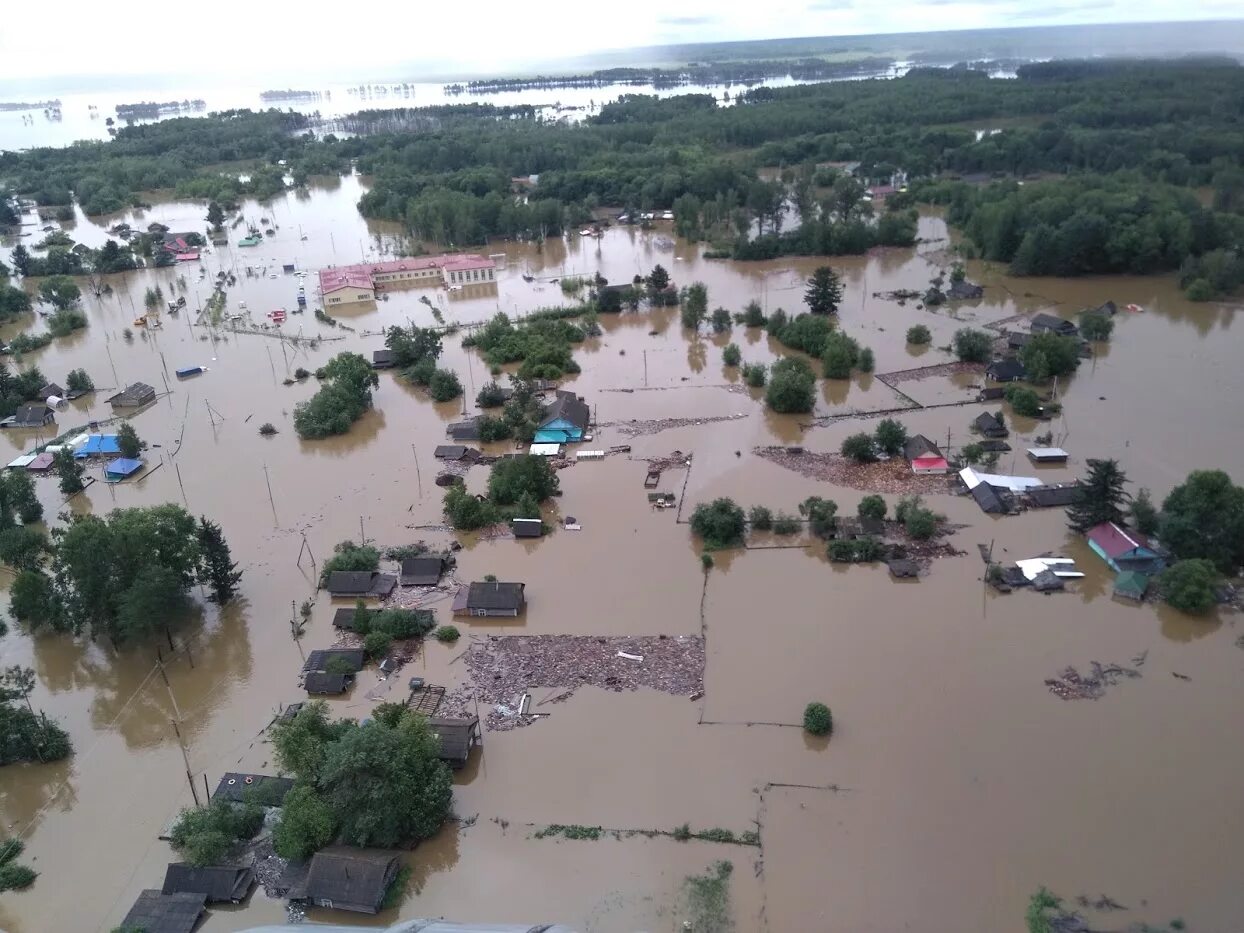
point(236, 39)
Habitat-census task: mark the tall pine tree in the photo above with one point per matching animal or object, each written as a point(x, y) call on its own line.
point(824, 292)
point(1101, 497)
point(217, 568)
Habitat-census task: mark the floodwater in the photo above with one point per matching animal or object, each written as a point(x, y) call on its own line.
point(954, 785)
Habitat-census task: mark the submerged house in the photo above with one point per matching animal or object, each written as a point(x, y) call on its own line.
point(457, 738)
point(344, 878)
point(267, 790)
point(360, 583)
point(383, 359)
point(464, 430)
point(1053, 324)
point(134, 395)
point(157, 912)
point(1124, 549)
point(990, 425)
point(322, 683)
point(34, 415)
point(925, 456)
point(1006, 370)
point(564, 421)
point(321, 658)
point(220, 884)
point(1054, 497)
point(422, 571)
point(490, 599)
point(1131, 584)
point(527, 527)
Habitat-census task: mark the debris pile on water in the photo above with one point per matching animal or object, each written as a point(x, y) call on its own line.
point(1072, 685)
point(640, 428)
point(505, 667)
point(892, 476)
point(928, 372)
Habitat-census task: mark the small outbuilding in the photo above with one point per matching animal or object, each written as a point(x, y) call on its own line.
point(41, 463)
point(464, 430)
point(991, 394)
point(1006, 370)
point(455, 452)
point(98, 445)
point(1053, 324)
point(990, 425)
point(221, 884)
point(157, 912)
point(422, 571)
point(50, 390)
point(383, 359)
point(344, 878)
point(964, 290)
point(1053, 497)
point(121, 468)
point(903, 568)
point(135, 395)
point(490, 599)
point(457, 738)
point(1131, 584)
point(1047, 455)
point(527, 527)
point(346, 618)
point(322, 683)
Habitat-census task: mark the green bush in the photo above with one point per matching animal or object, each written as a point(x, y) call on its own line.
point(860, 447)
point(921, 524)
point(447, 634)
point(731, 355)
point(753, 314)
point(494, 429)
point(867, 361)
point(840, 355)
point(1023, 401)
point(972, 346)
point(817, 719)
point(377, 644)
point(919, 335)
point(490, 395)
point(1047, 355)
point(349, 556)
point(791, 386)
point(784, 524)
point(821, 515)
point(720, 523)
point(1188, 585)
point(1096, 325)
point(444, 385)
point(890, 437)
point(754, 375)
point(872, 507)
point(760, 518)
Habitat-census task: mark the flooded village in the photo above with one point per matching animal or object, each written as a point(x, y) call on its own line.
point(623, 704)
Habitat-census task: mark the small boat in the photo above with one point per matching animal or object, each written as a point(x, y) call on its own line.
point(140, 322)
point(187, 371)
point(1133, 308)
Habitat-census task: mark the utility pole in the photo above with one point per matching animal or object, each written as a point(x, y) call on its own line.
point(418, 472)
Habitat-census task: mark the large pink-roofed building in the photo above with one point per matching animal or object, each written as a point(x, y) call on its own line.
point(361, 281)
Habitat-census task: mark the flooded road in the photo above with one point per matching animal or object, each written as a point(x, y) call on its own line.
point(955, 783)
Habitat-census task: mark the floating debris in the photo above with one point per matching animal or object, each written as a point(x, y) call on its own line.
point(893, 476)
point(1071, 685)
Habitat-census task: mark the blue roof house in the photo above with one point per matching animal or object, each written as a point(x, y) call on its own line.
point(121, 468)
point(566, 420)
point(98, 445)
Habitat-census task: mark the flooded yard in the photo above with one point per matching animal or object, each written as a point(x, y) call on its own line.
point(954, 784)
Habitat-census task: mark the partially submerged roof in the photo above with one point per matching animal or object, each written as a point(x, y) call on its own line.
point(567, 407)
point(322, 683)
point(268, 790)
point(450, 451)
point(342, 874)
point(157, 912)
point(494, 595)
point(1052, 322)
point(972, 478)
point(1114, 540)
point(1131, 584)
point(1047, 454)
point(1052, 497)
point(988, 498)
point(464, 430)
point(123, 467)
point(422, 571)
point(455, 735)
point(136, 393)
point(220, 883)
point(527, 527)
point(988, 423)
point(33, 413)
point(903, 568)
point(917, 445)
point(360, 583)
point(382, 359)
point(344, 618)
point(1006, 370)
point(98, 444)
point(1062, 567)
point(319, 659)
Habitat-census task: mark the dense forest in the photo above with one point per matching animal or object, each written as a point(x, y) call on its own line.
point(1135, 136)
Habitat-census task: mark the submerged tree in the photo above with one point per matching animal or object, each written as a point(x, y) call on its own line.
point(217, 568)
point(824, 292)
point(1100, 497)
point(70, 472)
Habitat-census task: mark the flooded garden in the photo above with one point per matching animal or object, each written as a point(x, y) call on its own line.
point(661, 695)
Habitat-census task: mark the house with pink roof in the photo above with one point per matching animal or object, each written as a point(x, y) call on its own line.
point(361, 281)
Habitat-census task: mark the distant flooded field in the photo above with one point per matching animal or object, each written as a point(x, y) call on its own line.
point(955, 783)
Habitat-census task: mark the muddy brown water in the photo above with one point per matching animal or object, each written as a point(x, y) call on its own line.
point(961, 783)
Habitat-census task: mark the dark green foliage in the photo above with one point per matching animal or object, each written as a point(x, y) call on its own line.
point(307, 824)
point(1096, 325)
point(919, 522)
point(791, 385)
point(64, 322)
point(658, 278)
point(1188, 585)
point(206, 835)
point(806, 332)
point(79, 381)
point(753, 314)
point(543, 343)
point(466, 512)
point(860, 447)
point(890, 437)
point(377, 644)
point(760, 518)
point(494, 429)
point(513, 479)
point(1023, 401)
point(344, 396)
point(17, 496)
point(217, 568)
point(128, 441)
point(754, 374)
point(867, 362)
point(412, 345)
point(267, 429)
point(349, 556)
point(70, 472)
point(872, 507)
point(859, 551)
point(706, 562)
point(1218, 273)
point(693, 305)
point(720, 523)
point(444, 385)
point(60, 291)
point(720, 320)
point(403, 623)
point(1047, 355)
point(13, 301)
point(1144, 513)
point(731, 355)
point(824, 291)
point(14, 877)
point(447, 634)
point(490, 395)
point(25, 736)
point(820, 514)
point(839, 356)
point(919, 335)
point(1203, 517)
point(32, 597)
point(1101, 497)
point(972, 346)
point(972, 453)
point(784, 524)
point(22, 548)
point(817, 719)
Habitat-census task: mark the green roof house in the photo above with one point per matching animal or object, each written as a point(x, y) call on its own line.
point(1131, 584)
